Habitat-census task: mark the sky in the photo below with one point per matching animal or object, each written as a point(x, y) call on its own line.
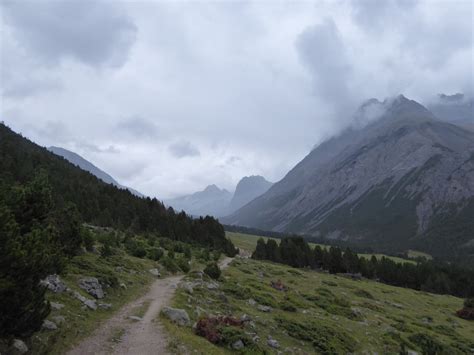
point(169, 97)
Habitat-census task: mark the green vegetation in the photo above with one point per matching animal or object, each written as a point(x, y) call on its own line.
point(213, 271)
point(320, 313)
point(74, 190)
point(428, 276)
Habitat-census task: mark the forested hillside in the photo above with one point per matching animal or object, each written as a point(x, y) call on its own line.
point(99, 203)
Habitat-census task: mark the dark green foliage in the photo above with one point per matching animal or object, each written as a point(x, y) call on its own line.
point(155, 253)
point(469, 303)
point(428, 344)
point(96, 202)
point(213, 271)
point(432, 276)
point(325, 339)
point(87, 239)
point(169, 264)
point(28, 253)
point(68, 224)
point(183, 264)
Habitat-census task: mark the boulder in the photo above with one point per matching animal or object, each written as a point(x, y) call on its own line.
point(92, 286)
point(135, 318)
point(54, 283)
point(19, 347)
point(188, 287)
point(155, 272)
point(91, 304)
point(238, 345)
point(272, 343)
point(105, 305)
point(58, 319)
point(263, 308)
point(176, 315)
point(252, 302)
point(122, 285)
point(48, 325)
point(56, 306)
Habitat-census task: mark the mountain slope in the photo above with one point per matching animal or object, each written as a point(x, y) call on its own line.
point(99, 203)
point(82, 163)
point(384, 185)
point(211, 201)
point(456, 109)
point(248, 188)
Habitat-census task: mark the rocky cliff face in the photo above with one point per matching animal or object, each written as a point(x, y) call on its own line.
point(384, 183)
point(248, 188)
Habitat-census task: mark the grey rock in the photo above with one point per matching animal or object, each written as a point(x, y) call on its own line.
point(58, 319)
point(105, 305)
point(48, 325)
point(92, 286)
point(273, 343)
point(155, 272)
point(188, 287)
point(54, 283)
point(19, 347)
point(263, 308)
point(122, 285)
point(238, 345)
point(212, 285)
point(245, 318)
point(91, 304)
point(248, 188)
point(56, 306)
point(252, 302)
point(135, 318)
point(176, 315)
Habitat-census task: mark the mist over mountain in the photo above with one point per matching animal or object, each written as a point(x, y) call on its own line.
point(457, 108)
point(248, 188)
point(220, 202)
point(86, 165)
point(211, 201)
point(402, 179)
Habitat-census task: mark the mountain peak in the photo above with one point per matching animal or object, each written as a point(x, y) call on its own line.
point(402, 105)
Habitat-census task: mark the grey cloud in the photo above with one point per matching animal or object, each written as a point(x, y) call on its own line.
point(137, 128)
point(322, 51)
point(95, 33)
point(372, 14)
point(183, 149)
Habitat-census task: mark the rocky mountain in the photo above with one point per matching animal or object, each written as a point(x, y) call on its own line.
point(399, 178)
point(84, 164)
point(211, 201)
point(248, 188)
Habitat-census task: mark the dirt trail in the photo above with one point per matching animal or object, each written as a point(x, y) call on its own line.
point(121, 335)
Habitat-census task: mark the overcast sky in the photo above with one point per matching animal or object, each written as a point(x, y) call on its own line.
point(169, 97)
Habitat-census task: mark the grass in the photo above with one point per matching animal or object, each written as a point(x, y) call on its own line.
point(81, 322)
point(324, 313)
point(248, 242)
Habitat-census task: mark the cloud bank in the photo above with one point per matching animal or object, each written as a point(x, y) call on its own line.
point(169, 97)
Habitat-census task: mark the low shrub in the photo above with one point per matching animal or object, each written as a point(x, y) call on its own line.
point(213, 271)
point(215, 329)
point(183, 264)
point(169, 264)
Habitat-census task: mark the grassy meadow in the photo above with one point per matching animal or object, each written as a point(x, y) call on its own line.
point(320, 313)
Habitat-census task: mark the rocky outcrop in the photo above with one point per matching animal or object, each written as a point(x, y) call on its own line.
point(18, 347)
point(248, 188)
point(176, 315)
point(54, 283)
point(92, 286)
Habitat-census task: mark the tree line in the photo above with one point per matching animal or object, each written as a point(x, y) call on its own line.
point(102, 204)
point(431, 276)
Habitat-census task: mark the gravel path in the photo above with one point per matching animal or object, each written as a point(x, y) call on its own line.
point(122, 335)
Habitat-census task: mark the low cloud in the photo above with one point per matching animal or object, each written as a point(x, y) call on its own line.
point(183, 149)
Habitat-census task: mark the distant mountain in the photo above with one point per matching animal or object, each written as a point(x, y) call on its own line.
point(402, 180)
point(248, 188)
point(211, 201)
point(457, 109)
point(82, 163)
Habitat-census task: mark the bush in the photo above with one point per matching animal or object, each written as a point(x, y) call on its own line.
point(169, 264)
point(171, 254)
point(469, 303)
point(213, 271)
point(106, 250)
point(183, 264)
point(87, 240)
point(155, 254)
